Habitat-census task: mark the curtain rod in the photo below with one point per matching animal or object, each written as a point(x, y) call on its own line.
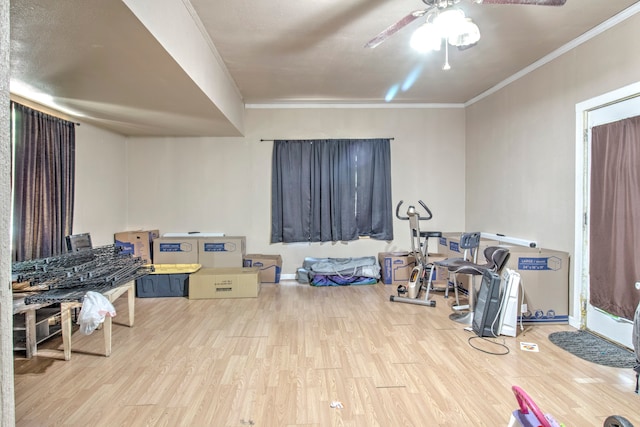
point(271, 140)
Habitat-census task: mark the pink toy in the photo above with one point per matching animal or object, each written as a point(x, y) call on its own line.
point(529, 415)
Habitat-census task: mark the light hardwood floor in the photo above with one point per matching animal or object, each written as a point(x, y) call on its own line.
point(283, 358)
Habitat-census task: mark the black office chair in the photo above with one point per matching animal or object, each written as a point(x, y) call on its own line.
point(496, 258)
point(469, 243)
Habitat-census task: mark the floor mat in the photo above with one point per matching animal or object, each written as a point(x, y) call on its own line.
point(594, 349)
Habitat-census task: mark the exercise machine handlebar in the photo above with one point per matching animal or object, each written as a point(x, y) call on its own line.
point(413, 210)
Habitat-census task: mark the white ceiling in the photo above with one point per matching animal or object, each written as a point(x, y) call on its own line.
point(96, 60)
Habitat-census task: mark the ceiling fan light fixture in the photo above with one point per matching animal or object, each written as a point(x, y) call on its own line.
point(446, 22)
point(426, 38)
point(468, 34)
point(450, 25)
point(449, 20)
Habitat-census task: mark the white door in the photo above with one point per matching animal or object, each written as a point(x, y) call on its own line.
point(597, 320)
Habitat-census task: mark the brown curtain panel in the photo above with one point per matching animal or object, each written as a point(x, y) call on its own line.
point(615, 217)
point(43, 186)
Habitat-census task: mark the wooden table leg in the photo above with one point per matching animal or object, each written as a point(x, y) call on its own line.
point(113, 295)
point(131, 302)
point(30, 333)
point(107, 327)
point(65, 322)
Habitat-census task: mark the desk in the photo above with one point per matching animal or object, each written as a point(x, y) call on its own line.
point(111, 295)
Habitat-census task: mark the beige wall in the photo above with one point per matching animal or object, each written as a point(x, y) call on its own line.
point(224, 184)
point(520, 141)
point(101, 184)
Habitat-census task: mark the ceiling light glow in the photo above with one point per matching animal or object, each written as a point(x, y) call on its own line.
point(391, 93)
point(449, 25)
point(426, 38)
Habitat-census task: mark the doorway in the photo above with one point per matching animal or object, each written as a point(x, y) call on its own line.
point(611, 107)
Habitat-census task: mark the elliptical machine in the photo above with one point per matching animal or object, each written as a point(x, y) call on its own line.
point(410, 292)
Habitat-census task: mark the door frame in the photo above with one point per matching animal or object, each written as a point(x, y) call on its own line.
point(577, 316)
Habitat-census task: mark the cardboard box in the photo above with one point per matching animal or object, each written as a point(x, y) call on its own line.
point(138, 243)
point(396, 267)
point(269, 265)
point(449, 245)
point(238, 282)
point(440, 275)
point(443, 243)
point(544, 276)
point(175, 250)
point(225, 251)
point(455, 251)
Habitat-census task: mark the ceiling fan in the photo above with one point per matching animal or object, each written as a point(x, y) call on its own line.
point(465, 33)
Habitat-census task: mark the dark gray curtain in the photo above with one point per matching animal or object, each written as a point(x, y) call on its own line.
point(331, 190)
point(615, 217)
point(43, 187)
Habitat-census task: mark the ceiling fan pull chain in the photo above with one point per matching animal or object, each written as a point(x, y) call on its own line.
point(446, 65)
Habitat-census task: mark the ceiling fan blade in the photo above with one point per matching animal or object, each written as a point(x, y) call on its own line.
point(391, 30)
point(534, 2)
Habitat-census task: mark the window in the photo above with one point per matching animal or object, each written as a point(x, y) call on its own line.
point(331, 190)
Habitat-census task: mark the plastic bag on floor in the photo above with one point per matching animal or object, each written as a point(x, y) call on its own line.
point(95, 307)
